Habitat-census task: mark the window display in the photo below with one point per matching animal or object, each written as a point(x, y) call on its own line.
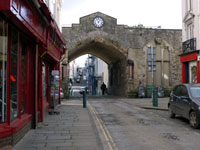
point(3, 69)
point(23, 76)
point(13, 74)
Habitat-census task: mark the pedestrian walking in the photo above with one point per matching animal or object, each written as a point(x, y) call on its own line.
point(103, 88)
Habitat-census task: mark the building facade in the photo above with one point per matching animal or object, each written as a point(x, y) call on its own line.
point(31, 47)
point(191, 41)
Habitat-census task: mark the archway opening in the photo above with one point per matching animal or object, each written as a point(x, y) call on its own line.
point(114, 60)
point(88, 72)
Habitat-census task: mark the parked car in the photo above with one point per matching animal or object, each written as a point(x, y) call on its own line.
point(185, 101)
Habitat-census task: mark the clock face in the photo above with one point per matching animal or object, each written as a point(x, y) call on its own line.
point(98, 22)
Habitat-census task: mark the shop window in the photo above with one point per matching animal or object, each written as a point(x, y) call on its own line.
point(3, 69)
point(13, 73)
point(23, 77)
point(194, 74)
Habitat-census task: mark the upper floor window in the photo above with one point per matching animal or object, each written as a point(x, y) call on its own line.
point(189, 5)
point(190, 31)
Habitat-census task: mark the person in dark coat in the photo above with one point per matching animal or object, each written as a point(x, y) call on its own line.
point(103, 88)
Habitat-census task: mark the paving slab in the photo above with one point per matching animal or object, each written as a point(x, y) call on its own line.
point(72, 129)
point(147, 103)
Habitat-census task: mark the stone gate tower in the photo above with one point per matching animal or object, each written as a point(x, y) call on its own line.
point(134, 54)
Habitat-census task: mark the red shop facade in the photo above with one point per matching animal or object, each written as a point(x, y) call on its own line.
point(31, 47)
point(190, 62)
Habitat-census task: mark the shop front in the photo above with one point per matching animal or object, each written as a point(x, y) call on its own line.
point(190, 62)
point(31, 47)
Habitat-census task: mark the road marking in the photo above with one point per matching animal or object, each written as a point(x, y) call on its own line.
point(106, 133)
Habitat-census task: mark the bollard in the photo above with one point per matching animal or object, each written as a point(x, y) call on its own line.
point(84, 99)
point(155, 97)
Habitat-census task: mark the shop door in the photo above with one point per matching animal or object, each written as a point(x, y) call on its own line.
point(187, 72)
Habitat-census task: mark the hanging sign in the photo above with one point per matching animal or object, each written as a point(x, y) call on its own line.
point(55, 73)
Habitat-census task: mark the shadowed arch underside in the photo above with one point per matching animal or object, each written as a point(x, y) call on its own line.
point(107, 50)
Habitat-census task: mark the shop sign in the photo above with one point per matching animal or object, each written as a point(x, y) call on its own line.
point(55, 73)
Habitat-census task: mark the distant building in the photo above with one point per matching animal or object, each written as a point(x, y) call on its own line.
point(73, 70)
point(97, 74)
point(191, 41)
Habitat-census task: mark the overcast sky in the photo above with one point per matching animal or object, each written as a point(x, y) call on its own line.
point(150, 13)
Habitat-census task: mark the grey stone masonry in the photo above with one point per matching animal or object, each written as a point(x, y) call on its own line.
point(118, 45)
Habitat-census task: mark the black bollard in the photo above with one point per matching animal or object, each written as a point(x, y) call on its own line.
point(84, 99)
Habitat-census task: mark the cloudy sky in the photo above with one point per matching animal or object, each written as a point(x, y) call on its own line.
point(150, 13)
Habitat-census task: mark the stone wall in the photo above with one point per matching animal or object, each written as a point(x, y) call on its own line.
point(119, 43)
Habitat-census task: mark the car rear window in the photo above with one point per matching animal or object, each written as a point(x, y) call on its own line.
point(195, 91)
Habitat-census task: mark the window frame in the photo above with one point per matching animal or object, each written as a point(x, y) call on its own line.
point(4, 109)
point(20, 36)
point(151, 59)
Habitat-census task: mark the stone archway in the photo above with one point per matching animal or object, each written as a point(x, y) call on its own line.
point(110, 52)
point(118, 45)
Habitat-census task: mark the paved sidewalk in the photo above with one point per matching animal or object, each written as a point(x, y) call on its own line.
point(72, 129)
point(147, 103)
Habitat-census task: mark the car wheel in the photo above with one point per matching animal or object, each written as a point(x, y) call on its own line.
point(170, 112)
point(194, 120)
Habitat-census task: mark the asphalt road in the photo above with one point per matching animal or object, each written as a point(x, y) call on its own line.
point(130, 127)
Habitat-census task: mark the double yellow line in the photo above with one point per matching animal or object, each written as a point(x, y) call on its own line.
point(103, 128)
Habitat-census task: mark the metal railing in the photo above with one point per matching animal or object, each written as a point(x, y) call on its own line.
point(189, 45)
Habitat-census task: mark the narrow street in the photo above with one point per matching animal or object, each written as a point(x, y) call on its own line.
point(111, 123)
point(132, 127)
